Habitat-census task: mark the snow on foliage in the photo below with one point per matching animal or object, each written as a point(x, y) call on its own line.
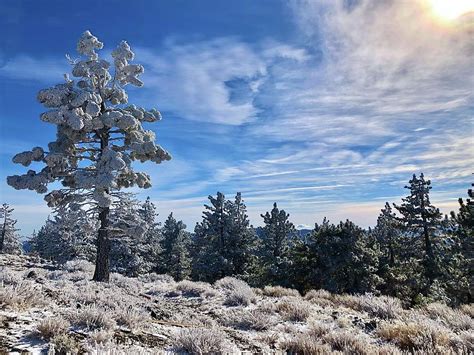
point(97, 140)
point(86, 112)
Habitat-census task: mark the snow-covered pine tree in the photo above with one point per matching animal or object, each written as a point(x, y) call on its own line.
point(135, 236)
point(9, 240)
point(180, 260)
point(170, 232)
point(66, 236)
point(422, 220)
point(98, 138)
point(276, 238)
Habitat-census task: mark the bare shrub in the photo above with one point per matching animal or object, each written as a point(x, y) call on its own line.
point(383, 307)
point(8, 277)
point(101, 336)
point(230, 283)
point(454, 318)
point(468, 309)
point(21, 296)
point(63, 344)
point(93, 317)
point(153, 277)
point(52, 326)
point(78, 265)
point(321, 297)
point(349, 342)
point(423, 335)
point(317, 330)
point(130, 317)
point(200, 341)
point(129, 284)
point(302, 344)
point(194, 289)
point(293, 310)
point(248, 319)
point(278, 291)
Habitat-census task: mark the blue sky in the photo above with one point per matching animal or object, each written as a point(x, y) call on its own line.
point(326, 107)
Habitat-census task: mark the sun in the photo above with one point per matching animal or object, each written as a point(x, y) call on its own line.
point(450, 10)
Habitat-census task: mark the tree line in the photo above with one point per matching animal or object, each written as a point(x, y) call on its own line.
point(413, 253)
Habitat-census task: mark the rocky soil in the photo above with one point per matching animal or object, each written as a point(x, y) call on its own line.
point(57, 310)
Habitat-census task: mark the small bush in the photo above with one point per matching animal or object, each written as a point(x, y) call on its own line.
point(293, 310)
point(317, 330)
point(63, 344)
point(278, 291)
point(468, 309)
point(194, 289)
point(200, 341)
point(156, 278)
point(348, 342)
point(20, 296)
point(101, 336)
point(247, 320)
point(78, 265)
point(383, 307)
point(454, 318)
point(130, 317)
point(52, 326)
point(415, 335)
point(302, 344)
point(230, 284)
point(93, 317)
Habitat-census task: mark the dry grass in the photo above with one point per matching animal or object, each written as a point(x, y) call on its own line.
point(302, 344)
point(278, 291)
point(383, 307)
point(421, 335)
point(200, 341)
point(454, 318)
point(248, 320)
point(52, 326)
point(21, 296)
point(293, 309)
point(194, 289)
point(93, 317)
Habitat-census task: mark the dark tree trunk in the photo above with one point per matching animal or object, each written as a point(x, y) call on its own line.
point(2, 236)
point(102, 263)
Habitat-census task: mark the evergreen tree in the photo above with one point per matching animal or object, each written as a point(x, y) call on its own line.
point(223, 241)
point(97, 140)
point(242, 238)
point(342, 258)
point(175, 244)
point(9, 240)
point(421, 220)
point(135, 237)
point(274, 255)
point(68, 235)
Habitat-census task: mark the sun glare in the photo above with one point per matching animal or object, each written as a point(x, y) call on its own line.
point(450, 10)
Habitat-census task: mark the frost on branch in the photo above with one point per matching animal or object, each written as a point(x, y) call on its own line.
point(97, 137)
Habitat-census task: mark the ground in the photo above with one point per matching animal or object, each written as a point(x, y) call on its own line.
point(57, 310)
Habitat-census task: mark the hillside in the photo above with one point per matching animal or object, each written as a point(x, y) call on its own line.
point(44, 308)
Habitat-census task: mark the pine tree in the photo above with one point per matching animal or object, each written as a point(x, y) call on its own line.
point(66, 236)
point(212, 253)
point(342, 258)
point(463, 250)
point(97, 140)
point(223, 241)
point(135, 237)
point(242, 238)
point(276, 238)
point(174, 246)
point(180, 260)
point(9, 241)
point(422, 220)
